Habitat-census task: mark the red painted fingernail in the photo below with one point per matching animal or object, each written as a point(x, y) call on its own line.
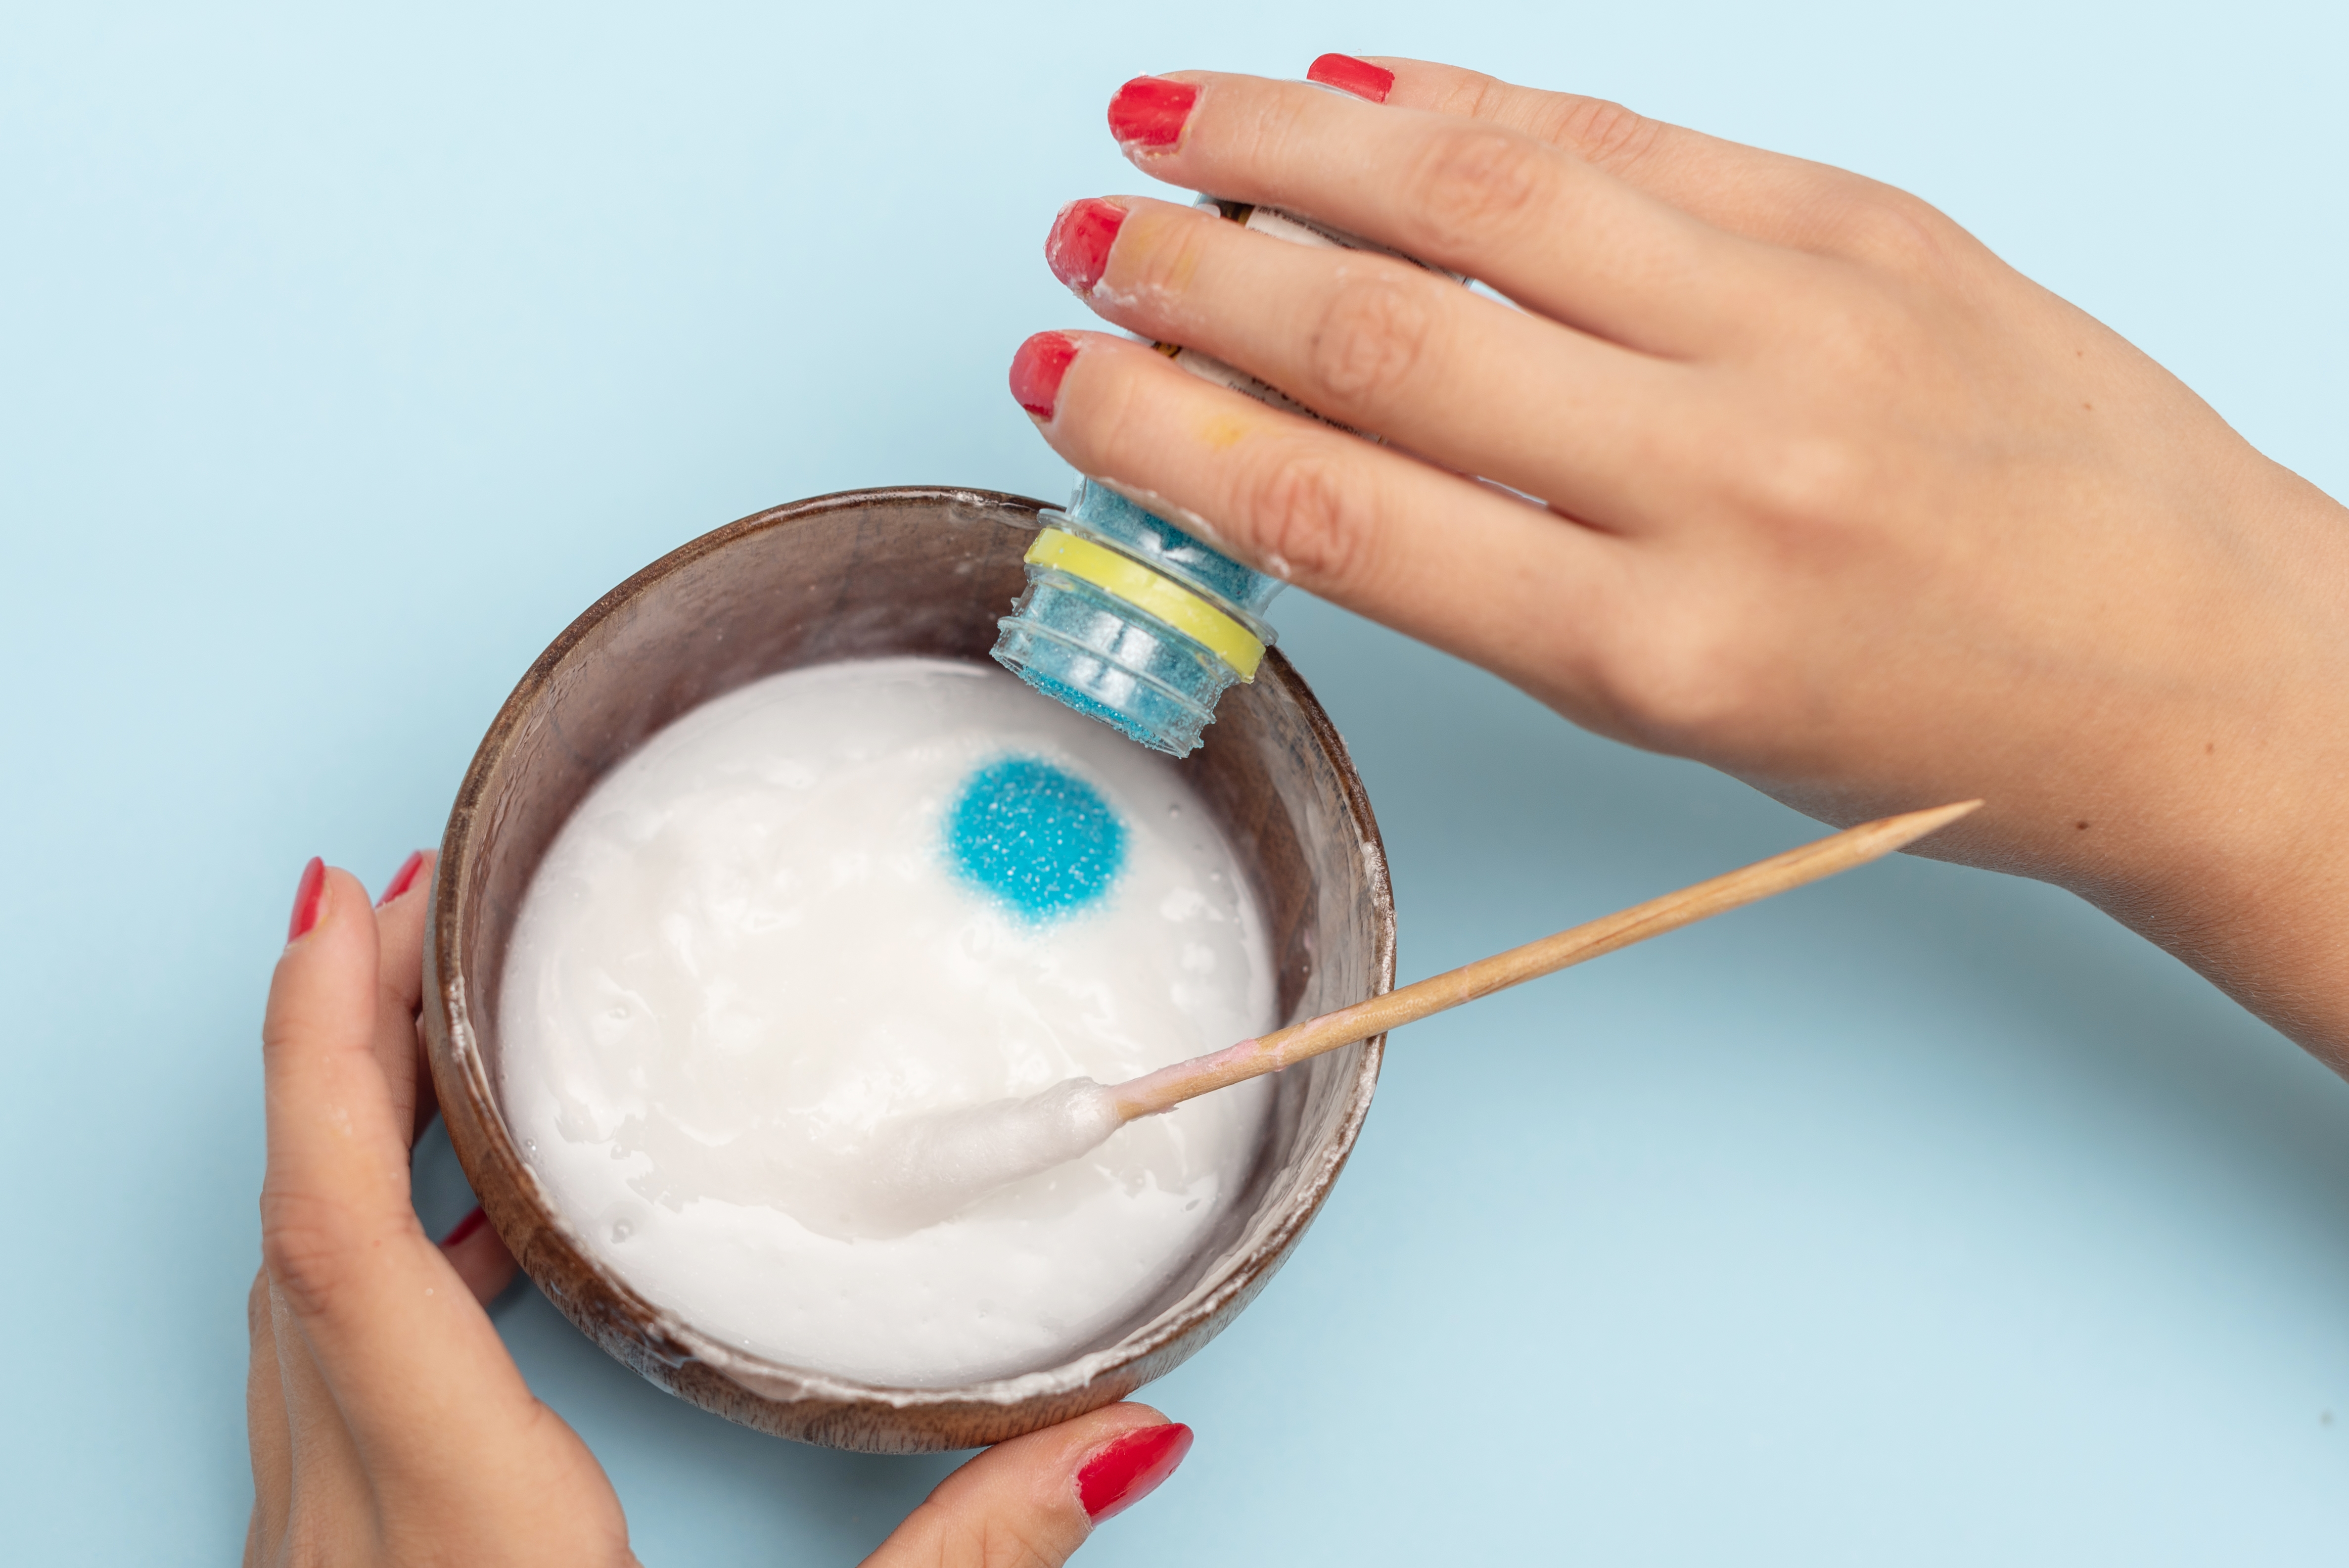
point(1077, 250)
point(309, 894)
point(1148, 112)
point(1130, 1468)
point(1349, 74)
point(465, 1227)
point(1037, 369)
point(403, 878)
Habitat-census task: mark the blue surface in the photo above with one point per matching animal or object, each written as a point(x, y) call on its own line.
point(1924, 1218)
point(1035, 836)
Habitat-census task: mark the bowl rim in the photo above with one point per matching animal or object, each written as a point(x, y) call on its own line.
point(460, 1075)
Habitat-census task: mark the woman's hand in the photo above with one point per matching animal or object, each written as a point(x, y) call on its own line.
point(1809, 485)
point(389, 1425)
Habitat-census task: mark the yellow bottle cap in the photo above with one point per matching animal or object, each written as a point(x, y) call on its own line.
point(1148, 591)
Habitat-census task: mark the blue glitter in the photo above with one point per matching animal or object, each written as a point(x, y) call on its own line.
point(1061, 691)
point(1036, 836)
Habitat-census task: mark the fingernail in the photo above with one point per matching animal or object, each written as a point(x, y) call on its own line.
point(465, 1227)
point(403, 878)
point(1130, 1468)
point(1149, 112)
point(1037, 369)
point(1349, 74)
point(309, 894)
point(1077, 250)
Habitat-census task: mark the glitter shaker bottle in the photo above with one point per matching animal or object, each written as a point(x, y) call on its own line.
point(1128, 619)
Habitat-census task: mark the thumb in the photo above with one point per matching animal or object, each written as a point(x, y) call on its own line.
point(1031, 1502)
point(417, 1372)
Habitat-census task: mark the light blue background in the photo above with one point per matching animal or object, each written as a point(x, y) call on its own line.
point(1925, 1218)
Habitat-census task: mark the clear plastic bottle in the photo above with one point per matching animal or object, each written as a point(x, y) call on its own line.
point(1128, 619)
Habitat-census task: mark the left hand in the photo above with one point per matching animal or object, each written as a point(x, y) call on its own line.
point(389, 1425)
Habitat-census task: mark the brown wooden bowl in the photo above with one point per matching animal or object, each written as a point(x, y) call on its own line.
point(870, 574)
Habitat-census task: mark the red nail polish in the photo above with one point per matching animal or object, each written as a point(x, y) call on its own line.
point(465, 1227)
point(403, 878)
point(309, 893)
point(1349, 74)
point(1149, 112)
point(1130, 1468)
point(1037, 369)
point(1077, 250)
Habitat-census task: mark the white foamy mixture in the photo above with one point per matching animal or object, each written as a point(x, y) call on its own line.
point(750, 949)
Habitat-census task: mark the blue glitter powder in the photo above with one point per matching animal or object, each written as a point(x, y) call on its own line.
point(1036, 836)
point(1061, 691)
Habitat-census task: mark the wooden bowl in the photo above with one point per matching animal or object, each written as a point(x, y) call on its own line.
point(870, 574)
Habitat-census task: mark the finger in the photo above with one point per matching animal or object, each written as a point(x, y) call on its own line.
point(1725, 182)
point(393, 1330)
point(1764, 195)
point(1382, 346)
point(337, 1150)
point(1034, 1500)
point(1438, 557)
point(479, 1256)
point(266, 1426)
point(1546, 229)
point(399, 914)
point(400, 919)
point(327, 1477)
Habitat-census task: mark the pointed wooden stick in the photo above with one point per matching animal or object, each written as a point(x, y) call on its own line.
point(1170, 1087)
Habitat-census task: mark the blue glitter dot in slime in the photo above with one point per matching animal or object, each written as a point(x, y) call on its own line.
point(1036, 836)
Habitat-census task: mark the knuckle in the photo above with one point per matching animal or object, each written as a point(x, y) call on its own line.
point(1277, 129)
point(1005, 1545)
point(1469, 182)
point(1801, 487)
point(1601, 132)
point(307, 1248)
point(1479, 97)
point(1860, 335)
point(1304, 520)
point(1370, 340)
point(946, 1538)
point(1678, 687)
point(1896, 231)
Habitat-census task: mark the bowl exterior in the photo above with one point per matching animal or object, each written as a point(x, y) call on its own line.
point(869, 573)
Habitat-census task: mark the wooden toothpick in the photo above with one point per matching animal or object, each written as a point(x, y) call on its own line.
point(1169, 1087)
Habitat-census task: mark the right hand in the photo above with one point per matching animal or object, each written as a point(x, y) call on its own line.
point(1808, 485)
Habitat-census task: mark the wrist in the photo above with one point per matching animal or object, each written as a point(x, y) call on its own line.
point(2220, 841)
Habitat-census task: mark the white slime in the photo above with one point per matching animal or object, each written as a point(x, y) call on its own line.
point(756, 1031)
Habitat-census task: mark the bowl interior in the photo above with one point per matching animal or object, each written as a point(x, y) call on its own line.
point(876, 573)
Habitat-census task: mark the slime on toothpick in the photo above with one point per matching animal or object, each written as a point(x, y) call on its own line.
point(931, 1163)
point(775, 979)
